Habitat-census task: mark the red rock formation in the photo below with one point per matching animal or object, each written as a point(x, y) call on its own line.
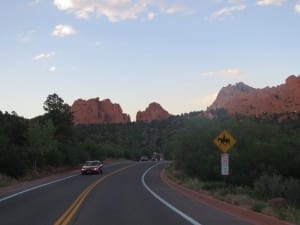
point(244, 100)
point(153, 112)
point(93, 111)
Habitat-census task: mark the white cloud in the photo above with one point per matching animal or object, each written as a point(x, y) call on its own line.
point(118, 10)
point(224, 73)
point(270, 2)
point(52, 69)
point(63, 30)
point(43, 56)
point(297, 7)
point(63, 4)
point(151, 15)
point(227, 11)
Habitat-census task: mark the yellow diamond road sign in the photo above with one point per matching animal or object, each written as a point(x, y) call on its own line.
point(224, 141)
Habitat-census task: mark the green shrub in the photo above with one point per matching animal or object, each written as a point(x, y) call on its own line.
point(243, 190)
point(258, 206)
point(13, 162)
point(211, 186)
point(269, 186)
point(193, 183)
point(292, 191)
point(292, 215)
point(6, 180)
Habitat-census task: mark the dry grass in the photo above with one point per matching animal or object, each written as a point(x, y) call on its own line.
point(239, 199)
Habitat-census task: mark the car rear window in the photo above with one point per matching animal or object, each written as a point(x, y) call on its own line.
point(92, 163)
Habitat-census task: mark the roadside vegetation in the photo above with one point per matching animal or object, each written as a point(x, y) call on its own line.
point(264, 163)
point(245, 197)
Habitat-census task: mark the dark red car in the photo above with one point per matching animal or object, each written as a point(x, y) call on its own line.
point(92, 167)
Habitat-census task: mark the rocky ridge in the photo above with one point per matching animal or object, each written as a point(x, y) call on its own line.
point(94, 111)
point(153, 112)
point(283, 101)
point(244, 100)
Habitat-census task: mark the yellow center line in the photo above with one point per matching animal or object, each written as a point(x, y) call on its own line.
point(68, 215)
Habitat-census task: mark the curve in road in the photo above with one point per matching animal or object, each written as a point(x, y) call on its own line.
point(163, 201)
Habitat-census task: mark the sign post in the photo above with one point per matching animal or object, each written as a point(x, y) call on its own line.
point(225, 142)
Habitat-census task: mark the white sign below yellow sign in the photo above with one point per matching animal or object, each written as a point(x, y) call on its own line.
point(224, 164)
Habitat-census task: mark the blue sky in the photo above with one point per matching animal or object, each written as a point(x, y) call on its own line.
point(178, 53)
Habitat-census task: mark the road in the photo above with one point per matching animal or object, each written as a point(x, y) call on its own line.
point(127, 193)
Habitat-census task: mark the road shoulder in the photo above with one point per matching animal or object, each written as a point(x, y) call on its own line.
point(253, 217)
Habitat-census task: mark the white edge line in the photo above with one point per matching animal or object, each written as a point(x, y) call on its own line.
point(36, 187)
point(173, 208)
point(43, 185)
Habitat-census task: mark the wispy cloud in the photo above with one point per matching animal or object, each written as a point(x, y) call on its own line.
point(33, 2)
point(227, 11)
point(43, 56)
point(52, 69)
point(63, 30)
point(270, 2)
point(297, 7)
point(232, 73)
point(177, 8)
point(118, 10)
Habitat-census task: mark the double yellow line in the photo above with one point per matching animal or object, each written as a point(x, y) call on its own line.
point(68, 215)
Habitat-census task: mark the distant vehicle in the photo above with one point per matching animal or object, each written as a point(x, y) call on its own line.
point(155, 157)
point(92, 167)
point(144, 158)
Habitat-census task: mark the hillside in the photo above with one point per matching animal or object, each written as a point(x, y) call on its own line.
point(240, 99)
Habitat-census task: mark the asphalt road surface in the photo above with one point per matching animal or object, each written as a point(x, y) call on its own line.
point(127, 194)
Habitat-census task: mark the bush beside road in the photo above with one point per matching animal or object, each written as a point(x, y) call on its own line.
point(245, 198)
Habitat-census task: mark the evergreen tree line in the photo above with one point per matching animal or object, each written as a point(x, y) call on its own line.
point(261, 148)
point(266, 156)
point(28, 145)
